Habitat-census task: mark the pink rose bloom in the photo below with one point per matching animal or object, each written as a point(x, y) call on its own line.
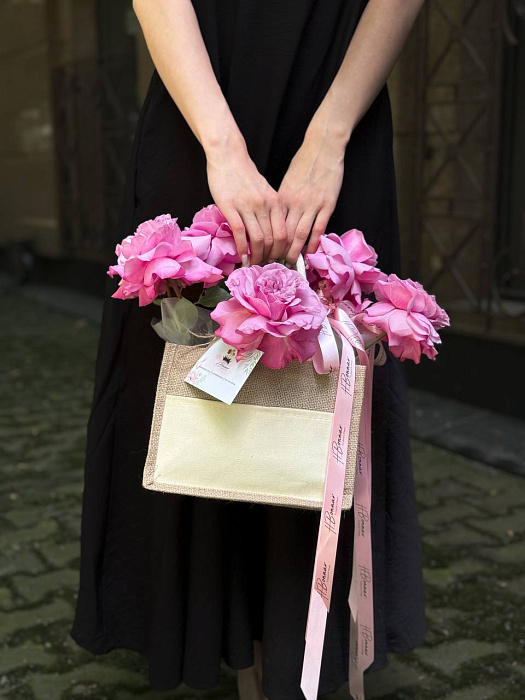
point(408, 315)
point(212, 237)
point(272, 309)
point(364, 261)
point(153, 254)
point(343, 267)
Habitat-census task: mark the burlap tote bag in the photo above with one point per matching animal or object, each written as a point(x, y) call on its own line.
point(269, 446)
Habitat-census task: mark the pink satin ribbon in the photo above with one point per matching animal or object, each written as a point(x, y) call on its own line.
point(360, 598)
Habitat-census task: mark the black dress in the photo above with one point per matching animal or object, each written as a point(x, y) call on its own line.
point(184, 580)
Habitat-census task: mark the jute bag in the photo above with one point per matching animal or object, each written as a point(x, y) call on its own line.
point(269, 446)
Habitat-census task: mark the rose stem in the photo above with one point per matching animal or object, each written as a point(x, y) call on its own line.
point(375, 340)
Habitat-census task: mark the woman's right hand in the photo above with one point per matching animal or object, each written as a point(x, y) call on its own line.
point(250, 205)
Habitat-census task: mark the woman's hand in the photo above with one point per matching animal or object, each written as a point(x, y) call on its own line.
point(310, 189)
point(251, 206)
point(312, 184)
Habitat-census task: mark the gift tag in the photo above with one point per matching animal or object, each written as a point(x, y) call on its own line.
point(219, 373)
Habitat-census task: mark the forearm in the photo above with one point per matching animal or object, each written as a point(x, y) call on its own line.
point(250, 205)
point(370, 57)
point(174, 40)
point(312, 183)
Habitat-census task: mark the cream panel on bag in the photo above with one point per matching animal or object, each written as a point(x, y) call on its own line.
point(269, 446)
point(284, 455)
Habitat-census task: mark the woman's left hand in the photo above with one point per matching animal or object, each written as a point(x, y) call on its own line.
point(310, 189)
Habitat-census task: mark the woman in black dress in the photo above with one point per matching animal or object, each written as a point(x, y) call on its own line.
point(278, 111)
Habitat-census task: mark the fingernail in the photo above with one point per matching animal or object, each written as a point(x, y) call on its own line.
point(244, 260)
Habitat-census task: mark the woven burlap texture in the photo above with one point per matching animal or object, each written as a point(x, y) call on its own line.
point(296, 385)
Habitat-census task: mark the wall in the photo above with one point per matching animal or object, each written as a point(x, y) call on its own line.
point(28, 207)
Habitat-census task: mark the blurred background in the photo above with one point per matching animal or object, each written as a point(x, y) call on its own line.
point(73, 75)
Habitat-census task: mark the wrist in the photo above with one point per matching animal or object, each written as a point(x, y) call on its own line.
point(225, 139)
point(328, 130)
point(322, 141)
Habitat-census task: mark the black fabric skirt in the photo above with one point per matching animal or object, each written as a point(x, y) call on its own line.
point(189, 581)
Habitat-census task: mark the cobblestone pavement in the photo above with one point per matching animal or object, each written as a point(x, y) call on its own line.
point(471, 516)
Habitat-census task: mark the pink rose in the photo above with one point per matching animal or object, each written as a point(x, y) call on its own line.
point(408, 315)
point(272, 309)
point(212, 237)
point(153, 254)
point(343, 267)
point(364, 261)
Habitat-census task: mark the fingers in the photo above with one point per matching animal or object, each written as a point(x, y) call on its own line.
point(233, 217)
point(262, 224)
point(271, 218)
point(250, 205)
point(255, 236)
point(274, 232)
point(246, 227)
point(293, 217)
point(263, 219)
point(280, 233)
point(302, 231)
point(318, 229)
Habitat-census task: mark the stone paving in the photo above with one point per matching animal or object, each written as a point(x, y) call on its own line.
point(471, 517)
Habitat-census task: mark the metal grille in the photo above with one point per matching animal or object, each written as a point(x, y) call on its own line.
point(458, 96)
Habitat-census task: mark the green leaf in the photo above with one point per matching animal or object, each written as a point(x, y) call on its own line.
point(183, 314)
point(213, 296)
